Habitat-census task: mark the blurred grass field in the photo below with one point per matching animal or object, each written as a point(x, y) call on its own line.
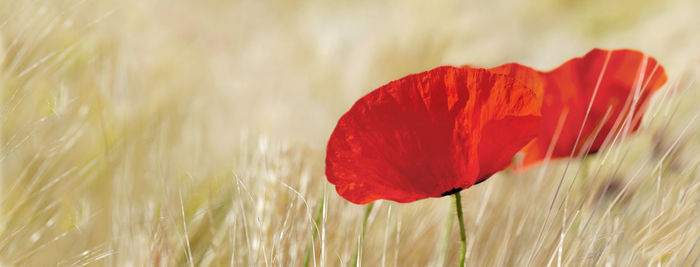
point(160, 133)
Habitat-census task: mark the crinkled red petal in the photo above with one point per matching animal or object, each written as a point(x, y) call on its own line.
point(625, 79)
point(430, 133)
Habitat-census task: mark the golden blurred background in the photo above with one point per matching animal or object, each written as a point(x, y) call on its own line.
point(159, 133)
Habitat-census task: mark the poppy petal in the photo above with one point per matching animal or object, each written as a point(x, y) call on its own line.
point(620, 83)
point(429, 133)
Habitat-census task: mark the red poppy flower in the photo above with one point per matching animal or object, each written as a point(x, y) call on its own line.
point(430, 134)
point(619, 82)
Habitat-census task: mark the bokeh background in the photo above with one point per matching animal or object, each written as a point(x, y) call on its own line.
point(160, 133)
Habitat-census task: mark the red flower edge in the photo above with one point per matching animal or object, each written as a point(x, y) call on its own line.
point(620, 82)
point(430, 134)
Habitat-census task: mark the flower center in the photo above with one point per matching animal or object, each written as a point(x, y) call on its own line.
point(451, 191)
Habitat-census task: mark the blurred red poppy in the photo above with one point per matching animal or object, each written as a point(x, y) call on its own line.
point(618, 81)
point(430, 134)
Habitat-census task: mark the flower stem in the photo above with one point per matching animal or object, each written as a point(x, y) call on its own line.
point(368, 210)
point(462, 233)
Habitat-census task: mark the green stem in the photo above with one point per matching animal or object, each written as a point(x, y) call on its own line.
point(462, 233)
point(368, 210)
point(314, 231)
